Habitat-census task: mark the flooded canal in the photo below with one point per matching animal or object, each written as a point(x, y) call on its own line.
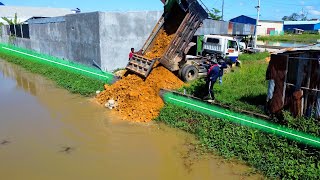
point(47, 133)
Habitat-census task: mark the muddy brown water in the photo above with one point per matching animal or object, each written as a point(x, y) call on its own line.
point(48, 133)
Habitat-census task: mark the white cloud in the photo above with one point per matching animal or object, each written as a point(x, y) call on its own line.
point(310, 7)
point(241, 3)
point(302, 2)
point(312, 10)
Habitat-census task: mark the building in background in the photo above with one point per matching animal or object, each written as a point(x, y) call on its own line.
point(26, 13)
point(265, 27)
point(302, 25)
point(244, 19)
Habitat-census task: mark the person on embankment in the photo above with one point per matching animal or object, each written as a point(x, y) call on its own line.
point(215, 72)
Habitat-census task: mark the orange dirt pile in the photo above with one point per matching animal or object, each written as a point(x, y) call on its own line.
point(160, 45)
point(139, 100)
point(268, 59)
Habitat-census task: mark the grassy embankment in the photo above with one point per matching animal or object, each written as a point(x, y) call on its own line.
point(71, 80)
point(245, 88)
point(303, 38)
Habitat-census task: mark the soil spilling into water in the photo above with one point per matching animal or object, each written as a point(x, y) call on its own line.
point(138, 99)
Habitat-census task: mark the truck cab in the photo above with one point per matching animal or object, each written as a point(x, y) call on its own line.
point(227, 46)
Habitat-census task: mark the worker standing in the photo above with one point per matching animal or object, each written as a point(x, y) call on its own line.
point(131, 53)
point(215, 71)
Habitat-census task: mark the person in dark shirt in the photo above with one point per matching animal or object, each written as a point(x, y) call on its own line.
point(215, 72)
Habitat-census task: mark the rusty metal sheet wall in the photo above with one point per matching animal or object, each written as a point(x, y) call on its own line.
point(224, 28)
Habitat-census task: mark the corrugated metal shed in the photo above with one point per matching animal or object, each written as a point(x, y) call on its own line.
point(296, 76)
point(244, 19)
point(224, 28)
point(317, 26)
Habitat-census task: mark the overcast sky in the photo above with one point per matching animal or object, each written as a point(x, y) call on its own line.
point(270, 9)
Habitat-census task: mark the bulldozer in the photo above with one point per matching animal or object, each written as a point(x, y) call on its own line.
point(181, 18)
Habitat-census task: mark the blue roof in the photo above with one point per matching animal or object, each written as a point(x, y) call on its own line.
point(1, 4)
point(244, 19)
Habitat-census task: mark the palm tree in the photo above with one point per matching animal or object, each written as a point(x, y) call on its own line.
point(13, 21)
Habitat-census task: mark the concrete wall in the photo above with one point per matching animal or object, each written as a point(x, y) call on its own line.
point(105, 38)
point(121, 31)
point(83, 39)
point(50, 38)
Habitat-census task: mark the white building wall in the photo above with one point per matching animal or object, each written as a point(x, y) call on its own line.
point(264, 25)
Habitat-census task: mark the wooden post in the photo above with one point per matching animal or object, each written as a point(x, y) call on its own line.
point(308, 86)
point(15, 30)
point(285, 82)
point(21, 30)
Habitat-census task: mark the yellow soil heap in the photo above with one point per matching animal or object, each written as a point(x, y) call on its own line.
point(160, 45)
point(139, 100)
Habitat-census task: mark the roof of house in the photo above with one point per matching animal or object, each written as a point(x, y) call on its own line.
point(244, 19)
point(25, 13)
point(1, 4)
point(250, 20)
point(300, 22)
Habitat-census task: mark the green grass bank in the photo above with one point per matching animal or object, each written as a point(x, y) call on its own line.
point(303, 38)
point(245, 88)
point(72, 80)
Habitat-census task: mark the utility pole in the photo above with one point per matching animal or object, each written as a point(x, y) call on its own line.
point(222, 10)
point(258, 19)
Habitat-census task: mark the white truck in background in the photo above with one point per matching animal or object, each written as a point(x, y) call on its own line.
point(227, 46)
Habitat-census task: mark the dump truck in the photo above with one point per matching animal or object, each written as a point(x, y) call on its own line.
point(181, 19)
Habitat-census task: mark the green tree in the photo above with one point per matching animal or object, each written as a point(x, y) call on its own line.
point(215, 14)
point(13, 21)
point(302, 16)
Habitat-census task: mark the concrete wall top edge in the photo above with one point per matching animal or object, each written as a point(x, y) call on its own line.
point(47, 20)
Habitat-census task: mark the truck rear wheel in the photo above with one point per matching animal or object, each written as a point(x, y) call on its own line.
point(189, 73)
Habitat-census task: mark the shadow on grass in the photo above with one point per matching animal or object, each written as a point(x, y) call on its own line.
point(256, 100)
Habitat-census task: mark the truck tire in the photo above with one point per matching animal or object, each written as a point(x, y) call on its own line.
point(189, 73)
point(181, 70)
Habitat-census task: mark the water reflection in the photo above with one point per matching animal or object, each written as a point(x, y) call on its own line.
point(281, 44)
point(56, 135)
point(21, 82)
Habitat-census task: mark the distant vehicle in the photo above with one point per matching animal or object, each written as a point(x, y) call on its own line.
point(226, 46)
